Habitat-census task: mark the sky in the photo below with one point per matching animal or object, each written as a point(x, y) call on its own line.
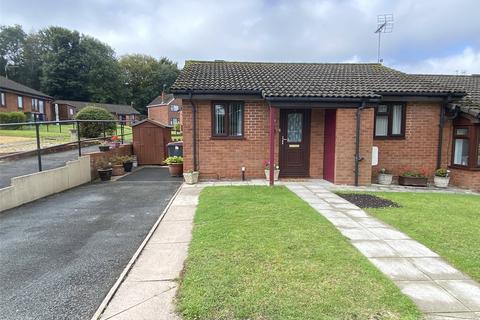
point(429, 36)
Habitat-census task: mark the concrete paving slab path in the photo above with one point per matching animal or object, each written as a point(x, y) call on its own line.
point(439, 290)
point(148, 290)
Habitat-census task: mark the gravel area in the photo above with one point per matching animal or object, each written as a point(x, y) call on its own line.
point(368, 201)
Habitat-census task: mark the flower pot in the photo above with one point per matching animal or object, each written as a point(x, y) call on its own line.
point(105, 174)
point(441, 182)
point(104, 148)
point(276, 173)
point(175, 169)
point(412, 181)
point(117, 170)
point(385, 178)
point(127, 166)
point(191, 177)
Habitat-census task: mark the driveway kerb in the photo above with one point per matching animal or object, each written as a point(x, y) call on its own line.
point(127, 268)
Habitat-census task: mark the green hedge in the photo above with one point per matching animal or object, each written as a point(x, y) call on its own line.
point(95, 129)
point(12, 117)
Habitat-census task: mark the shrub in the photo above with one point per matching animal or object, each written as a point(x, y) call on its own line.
point(173, 160)
point(442, 172)
point(12, 117)
point(95, 129)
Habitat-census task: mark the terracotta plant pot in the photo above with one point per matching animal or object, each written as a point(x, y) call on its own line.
point(175, 169)
point(128, 166)
point(441, 182)
point(276, 174)
point(412, 181)
point(385, 178)
point(105, 174)
point(117, 170)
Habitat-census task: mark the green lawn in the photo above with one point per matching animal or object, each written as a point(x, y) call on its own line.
point(263, 253)
point(449, 224)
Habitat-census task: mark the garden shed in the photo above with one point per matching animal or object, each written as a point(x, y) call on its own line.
point(150, 140)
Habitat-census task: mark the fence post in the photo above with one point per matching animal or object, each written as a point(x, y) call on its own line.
point(78, 139)
point(39, 151)
point(121, 130)
point(103, 126)
point(60, 126)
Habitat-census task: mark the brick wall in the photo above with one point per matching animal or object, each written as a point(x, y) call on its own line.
point(465, 179)
point(95, 157)
point(159, 114)
point(219, 158)
point(345, 146)
point(316, 143)
point(419, 149)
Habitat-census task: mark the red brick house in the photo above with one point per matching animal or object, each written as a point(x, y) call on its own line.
point(325, 121)
point(165, 109)
point(15, 96)
point(66, 109)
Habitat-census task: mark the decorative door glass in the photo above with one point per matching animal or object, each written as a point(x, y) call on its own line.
point(294, 127)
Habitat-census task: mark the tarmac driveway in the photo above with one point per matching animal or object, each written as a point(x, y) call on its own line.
point(59, 256)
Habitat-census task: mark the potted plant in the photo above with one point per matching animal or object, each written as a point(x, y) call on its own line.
point(385, 177)
point(276, 172)
point(441, 178)
point(127, 163)
point(175, 166)
point(413, 178)
point(117, 166)
point(115, 141)
point(104, 146)
point(191, 177)
point(104, 169)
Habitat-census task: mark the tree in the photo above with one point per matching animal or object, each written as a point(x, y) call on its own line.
point(12, 40)
point(145, 78)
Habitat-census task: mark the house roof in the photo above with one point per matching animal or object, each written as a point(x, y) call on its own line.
point(167, 98)
point(113, 108)
point(302, 80)
point(470, 103)
point(11, 85)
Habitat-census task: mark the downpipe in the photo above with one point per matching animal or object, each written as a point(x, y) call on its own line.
point(358, 157)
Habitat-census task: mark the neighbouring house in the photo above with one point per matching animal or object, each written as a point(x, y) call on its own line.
point(66, 110)
point(15, 96)
point(337, 121)
point(165, 109)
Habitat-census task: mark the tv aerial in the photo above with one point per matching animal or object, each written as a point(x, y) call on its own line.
point(384, 25)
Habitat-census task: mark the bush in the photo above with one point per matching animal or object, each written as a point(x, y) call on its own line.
point(12, 117)
point(95, 129)
point(173, 160)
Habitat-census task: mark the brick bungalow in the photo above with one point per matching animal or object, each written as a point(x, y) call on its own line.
point(165, 109)
point(66, 109)
point(15, 96)
point(327, 121)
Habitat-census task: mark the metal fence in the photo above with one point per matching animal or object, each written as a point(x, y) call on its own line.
point(67, 125)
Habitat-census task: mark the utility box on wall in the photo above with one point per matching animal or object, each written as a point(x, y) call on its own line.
point(150, 139)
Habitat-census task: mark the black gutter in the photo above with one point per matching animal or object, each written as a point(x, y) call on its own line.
point(323, 99)
point(358, 158)
point(194, 133)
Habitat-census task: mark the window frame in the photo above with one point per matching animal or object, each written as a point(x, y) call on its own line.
point(3, 99)
point(389, 115)
point(473, 138)
point(227, 105)
point(20, 98)
point(174, 105)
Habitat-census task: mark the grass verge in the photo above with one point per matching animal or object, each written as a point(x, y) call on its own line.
point(263, 253)
point(449, 224)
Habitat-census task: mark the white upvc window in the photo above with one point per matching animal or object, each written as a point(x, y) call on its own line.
point(3, 102)
point(20, 102)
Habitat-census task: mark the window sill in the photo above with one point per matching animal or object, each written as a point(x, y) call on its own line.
point(389, 138)
point(454, 166)
point(226, 138)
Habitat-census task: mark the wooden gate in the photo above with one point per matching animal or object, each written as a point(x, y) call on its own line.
point(150, 140)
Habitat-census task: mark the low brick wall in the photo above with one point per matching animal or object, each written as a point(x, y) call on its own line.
point(465, 179)
point(41, 184)
point(95, 157)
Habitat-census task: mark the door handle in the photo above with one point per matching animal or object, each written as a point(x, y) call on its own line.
point(283, 140)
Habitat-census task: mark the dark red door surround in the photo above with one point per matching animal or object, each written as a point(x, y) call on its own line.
point(294, 139)
point(329, 145)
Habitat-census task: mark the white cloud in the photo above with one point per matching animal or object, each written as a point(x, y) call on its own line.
point(467, 61)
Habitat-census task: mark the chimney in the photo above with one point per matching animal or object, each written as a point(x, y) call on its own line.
point(163, 93)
